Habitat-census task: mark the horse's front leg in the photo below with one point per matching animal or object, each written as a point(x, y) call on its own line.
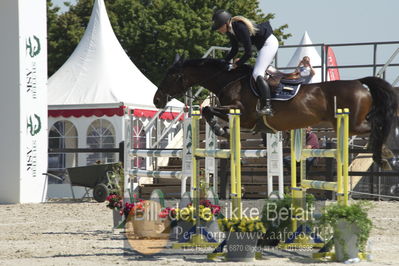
point(222, 112)
point(209, 114)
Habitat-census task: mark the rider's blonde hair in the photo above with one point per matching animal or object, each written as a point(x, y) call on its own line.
point(250, 25)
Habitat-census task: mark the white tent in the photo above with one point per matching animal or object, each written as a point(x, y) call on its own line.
point(90, 96)
point(310, 51)
point(99, 71)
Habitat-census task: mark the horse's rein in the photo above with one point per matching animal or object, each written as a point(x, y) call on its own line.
point(217, 73)
point(202, 81)
point(195, 83)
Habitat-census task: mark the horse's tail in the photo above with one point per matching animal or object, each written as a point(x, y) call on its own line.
point(382, 114)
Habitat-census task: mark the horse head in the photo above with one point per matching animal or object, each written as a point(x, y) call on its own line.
point(172, 85)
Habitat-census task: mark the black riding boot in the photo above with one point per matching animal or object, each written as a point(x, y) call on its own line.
point(265, 101)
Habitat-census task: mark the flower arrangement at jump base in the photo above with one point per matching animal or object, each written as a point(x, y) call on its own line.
point(146, 218)
point(168, 213)
point(244, 224)
point(114, 202)
point(138, 207)
point(133, 209)
point(121, 211)
point(242, 235)
point(351, 229)
point(207, 211)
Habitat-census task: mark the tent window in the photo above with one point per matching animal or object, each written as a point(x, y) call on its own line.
point(62, 135)
point(101, 134)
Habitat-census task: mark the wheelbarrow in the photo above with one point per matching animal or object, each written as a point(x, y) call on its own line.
point(98, 177)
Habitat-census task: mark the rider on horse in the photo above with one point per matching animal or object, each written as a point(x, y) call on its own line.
point(241, 30)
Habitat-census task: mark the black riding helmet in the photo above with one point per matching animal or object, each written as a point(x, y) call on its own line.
point(220, 17)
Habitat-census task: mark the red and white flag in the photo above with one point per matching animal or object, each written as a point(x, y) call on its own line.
point(333, 73)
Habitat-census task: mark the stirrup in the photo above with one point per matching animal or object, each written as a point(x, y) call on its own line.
point(266, 110)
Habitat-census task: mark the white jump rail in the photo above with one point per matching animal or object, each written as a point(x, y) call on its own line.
point(176, 153)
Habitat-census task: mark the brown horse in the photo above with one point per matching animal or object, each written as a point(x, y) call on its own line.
point(372, 101)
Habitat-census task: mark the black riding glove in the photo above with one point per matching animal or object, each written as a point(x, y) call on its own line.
point(226, 65)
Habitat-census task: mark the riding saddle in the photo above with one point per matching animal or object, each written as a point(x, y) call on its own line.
point(283, 86)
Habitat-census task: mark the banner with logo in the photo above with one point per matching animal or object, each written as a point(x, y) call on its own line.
point(33, 99)
point(333, 73)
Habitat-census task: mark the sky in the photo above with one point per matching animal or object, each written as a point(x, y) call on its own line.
point(338, 21)
point(60, 4)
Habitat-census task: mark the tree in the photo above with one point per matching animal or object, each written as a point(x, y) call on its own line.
point(151, 31)
point(64, 33)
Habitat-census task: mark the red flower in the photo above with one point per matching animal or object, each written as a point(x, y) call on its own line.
point(114, 201)
point(215, 209)
point(206, 203)
point(167, 212)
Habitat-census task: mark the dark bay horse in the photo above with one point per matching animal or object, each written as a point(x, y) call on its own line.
point(372, 101)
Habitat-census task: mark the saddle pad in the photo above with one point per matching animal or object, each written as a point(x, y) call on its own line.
point(283, 92)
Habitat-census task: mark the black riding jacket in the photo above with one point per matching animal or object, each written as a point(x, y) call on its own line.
point(243, 36)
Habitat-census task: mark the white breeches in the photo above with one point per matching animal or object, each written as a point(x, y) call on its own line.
point(265, 56)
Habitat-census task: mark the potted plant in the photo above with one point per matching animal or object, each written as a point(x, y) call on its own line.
point(242, 236)
point(115, 197)
point(350, 228)
point(114, 202)
point(116, 179)
point(147, 219)
point(207, 212)
point(279, 227)
point(185, 218)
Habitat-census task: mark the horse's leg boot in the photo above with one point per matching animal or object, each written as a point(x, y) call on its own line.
point(265, 101)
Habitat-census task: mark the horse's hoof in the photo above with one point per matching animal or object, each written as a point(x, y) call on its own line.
point(213, 122)
point(219, 131)
point(226, 130)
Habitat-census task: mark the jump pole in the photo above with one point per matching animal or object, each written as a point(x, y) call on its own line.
point(234, 153)
point(235, 161)
point(199, 238)
point(184, 154)
point(341, 187)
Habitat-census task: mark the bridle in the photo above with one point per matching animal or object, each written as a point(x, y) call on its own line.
point(184, 85)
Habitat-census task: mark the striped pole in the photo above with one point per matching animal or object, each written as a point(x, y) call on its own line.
point(156, 153)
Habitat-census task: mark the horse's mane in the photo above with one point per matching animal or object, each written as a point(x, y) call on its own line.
point(211, 62)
